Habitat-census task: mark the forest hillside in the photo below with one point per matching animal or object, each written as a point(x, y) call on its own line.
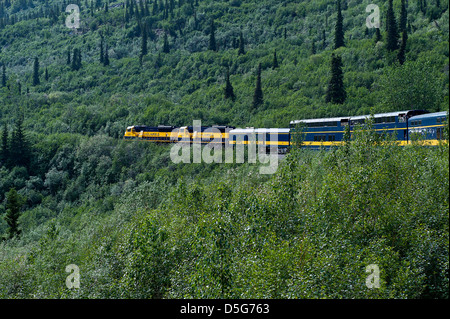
point(73, 192)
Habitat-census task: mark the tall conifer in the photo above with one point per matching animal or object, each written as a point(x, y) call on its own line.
point(258, 98)
point(36, 80)
point(229, 91)
point(339, 28)
point(336, 92)
point(212, 37)
point(391, 28)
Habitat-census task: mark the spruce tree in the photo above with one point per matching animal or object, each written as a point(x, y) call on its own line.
point(155, 7)
point(336, 92)
point(275, 60)
point(3, 75)
point(102, 55)
point(401, 56)
point(391, 28)
point(76, 59)
point(241, 44)
point(20, 149)
point(324, 39)
point(377, 35)
point(46, 75)
point(313, 48)
point(258, 98)
point(14, 203)
point(166, 47)
point(339, 28)
point(229, 91)
point(106, 57)
point(403, 17)
point(4, 154)
point(212, 37)
point(144, 49)
point(68, 61)
point(36, 80)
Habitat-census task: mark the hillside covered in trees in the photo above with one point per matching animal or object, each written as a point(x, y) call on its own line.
point(139, 226)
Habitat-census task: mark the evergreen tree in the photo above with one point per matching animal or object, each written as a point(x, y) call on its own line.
point(212, 37)
point(166, 47)
point(258, 96)
point(403, 17)
point(106, 58)
point(4, 154)
point(46, 75)
point(229, 91)
point(20, 150)
point(144, 49)
point(3, 75)
point(241, 44)
point(391, 28)
point(401, 56)
point(158, 61)
point(14, 203)
point(313, 48)
point(68, 61)
point(339, 28)
point(76, 59)
point(324, 40)
point(102, 55)
point(377, 35)
point(336, 92)
point(155, 7)
point(36, 80)
point(275, 60)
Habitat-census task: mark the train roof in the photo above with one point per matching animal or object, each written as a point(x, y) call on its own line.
point(359, 117)
point(259, 130)
point(389, 114)
point(330, 119)
point(429, 115)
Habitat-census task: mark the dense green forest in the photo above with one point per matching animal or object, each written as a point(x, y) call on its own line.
point(139, 226)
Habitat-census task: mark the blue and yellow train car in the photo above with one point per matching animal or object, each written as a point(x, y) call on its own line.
point(159, 134)
point(327, 132)
point(204, 135)
point(428, 128)
point(269, 137)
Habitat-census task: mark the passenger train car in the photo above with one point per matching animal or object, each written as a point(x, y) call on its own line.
point(327, 132)
point(404, 126)
point(270, 138)
point(429, 128)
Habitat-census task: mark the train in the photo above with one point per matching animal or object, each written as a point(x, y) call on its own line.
point(403, 126)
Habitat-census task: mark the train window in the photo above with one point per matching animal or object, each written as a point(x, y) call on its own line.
point(320, 138)
point(356, 122)
point(323, 124)
point(331, 138)
point(439, 133)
